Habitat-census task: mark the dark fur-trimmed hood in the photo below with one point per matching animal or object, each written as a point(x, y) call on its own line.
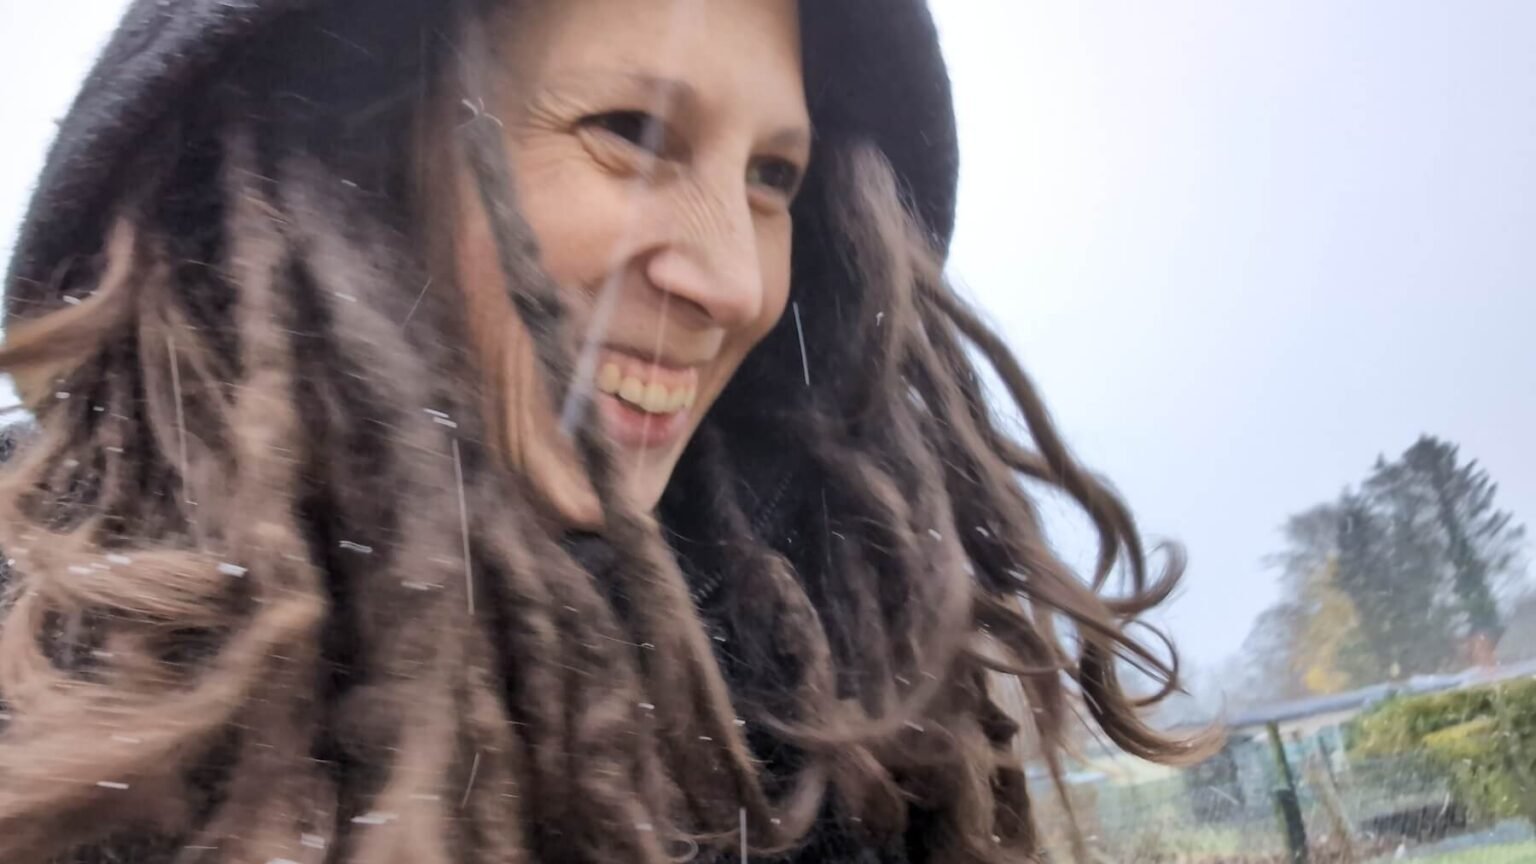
point(874, 72)
point(873, 69)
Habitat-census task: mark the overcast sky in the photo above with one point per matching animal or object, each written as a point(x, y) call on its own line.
point(1244, 247)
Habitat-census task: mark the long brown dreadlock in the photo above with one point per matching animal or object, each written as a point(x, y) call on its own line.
point(276, 598)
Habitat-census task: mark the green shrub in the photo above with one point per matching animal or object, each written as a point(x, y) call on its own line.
point(1484, 739)
point(1479, 767)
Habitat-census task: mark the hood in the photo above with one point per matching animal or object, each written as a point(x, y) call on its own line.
point(873, 70)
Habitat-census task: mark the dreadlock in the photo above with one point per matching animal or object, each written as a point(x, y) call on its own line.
point(276, 595)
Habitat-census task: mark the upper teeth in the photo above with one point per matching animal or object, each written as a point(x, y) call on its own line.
point(653, 398)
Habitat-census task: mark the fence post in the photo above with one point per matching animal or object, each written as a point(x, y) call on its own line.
point(1338, 814)
point(1287, 803)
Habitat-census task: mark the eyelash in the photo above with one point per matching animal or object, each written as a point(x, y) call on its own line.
point(636, 128)
point(649, 133)
point(787, 183)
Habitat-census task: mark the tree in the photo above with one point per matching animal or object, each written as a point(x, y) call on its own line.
point(1477, 543)
point(1519, 642)
point(1329, 654)
point(1321, 651)
point(1388, 568)
point(1269, 672)
point(1403, 575)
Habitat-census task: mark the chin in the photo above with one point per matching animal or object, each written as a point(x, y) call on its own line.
point(645, 476)
point(646, 487)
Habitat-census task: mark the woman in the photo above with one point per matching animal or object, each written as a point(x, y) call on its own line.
point(527, 431)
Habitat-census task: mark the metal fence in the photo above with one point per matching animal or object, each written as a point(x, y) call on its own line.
point(1227, 812)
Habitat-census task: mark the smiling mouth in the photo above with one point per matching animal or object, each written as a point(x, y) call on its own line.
point(647, 387)
point(644, 405)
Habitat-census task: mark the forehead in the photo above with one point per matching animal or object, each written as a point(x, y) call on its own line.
point(720, 49)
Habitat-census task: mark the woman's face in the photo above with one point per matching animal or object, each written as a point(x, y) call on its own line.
point(656, 146)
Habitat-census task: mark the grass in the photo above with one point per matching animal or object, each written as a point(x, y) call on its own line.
point(1518, 853)
point(1198, 843)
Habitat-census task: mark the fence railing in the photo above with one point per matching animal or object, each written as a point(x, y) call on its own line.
point(1384, 809)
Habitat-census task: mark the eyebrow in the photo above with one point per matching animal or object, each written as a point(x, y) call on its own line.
point(792, 138)
point(667, 88)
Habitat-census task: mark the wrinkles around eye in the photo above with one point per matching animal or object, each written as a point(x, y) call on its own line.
point(637, 129)
point(638, 141)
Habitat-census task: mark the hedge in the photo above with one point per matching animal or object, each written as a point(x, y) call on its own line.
point(1483, 738)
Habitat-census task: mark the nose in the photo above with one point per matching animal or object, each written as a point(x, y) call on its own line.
point(708, 255)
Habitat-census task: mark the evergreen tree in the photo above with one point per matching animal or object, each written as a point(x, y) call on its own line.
point(1387, 570)
point(1478, 542)
point(1402, 576)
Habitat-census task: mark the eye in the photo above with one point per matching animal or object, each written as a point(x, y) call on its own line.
point(636, 128)
point(780, 176)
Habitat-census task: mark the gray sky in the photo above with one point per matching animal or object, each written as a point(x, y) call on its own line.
point(1243, 247)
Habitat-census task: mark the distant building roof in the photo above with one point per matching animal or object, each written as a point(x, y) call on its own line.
point(1298, 709)
point(1359, 700)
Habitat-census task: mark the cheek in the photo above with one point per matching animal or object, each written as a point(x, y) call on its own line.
point(575, 215)
point(774, 248)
